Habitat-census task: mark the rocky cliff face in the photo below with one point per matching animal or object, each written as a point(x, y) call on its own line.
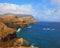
point(11, 21)
point(4, 30)
point(8, 27)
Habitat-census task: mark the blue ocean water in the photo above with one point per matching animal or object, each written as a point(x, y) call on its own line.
point(43, 34)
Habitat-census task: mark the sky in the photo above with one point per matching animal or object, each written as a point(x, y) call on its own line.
point(41, 10)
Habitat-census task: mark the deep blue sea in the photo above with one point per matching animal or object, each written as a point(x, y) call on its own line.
point(43, 34)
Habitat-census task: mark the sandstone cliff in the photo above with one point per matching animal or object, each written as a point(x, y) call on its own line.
point(4, 30)
point(11, 21)
point(8, 26)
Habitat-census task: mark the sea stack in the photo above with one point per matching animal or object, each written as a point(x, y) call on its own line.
point(9, 24)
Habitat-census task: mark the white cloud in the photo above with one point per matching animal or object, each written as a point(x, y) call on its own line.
point(15, 9)
point(57, 2)
point(50, 14)
point(46, 14)
point(56, 13)
point(41, 12)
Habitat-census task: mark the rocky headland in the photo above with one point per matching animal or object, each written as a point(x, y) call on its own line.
point(9, 24)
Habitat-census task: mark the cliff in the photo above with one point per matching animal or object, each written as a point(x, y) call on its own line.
point(4, 30)
point(8, 26)
point(10, 23)
point(12, 20)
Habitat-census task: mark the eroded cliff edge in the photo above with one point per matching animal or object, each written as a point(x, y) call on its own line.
point(10, 23)
point(8, 26)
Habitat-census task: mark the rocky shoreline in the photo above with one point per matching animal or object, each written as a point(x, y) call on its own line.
point(8, 26)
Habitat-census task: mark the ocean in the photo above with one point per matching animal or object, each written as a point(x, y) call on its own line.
point(43, 34)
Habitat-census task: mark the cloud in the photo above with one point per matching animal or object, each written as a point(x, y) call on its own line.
point(51, 15)
point(56, 13)
point(50, 12)
point(46, 14)
point(16, 9)
point(57, 2)
point(41, 12)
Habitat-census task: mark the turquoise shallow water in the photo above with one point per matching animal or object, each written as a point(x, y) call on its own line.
point(43, 35)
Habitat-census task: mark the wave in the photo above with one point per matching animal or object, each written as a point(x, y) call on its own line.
point(29, 26)
point(19, 29)
point(48, 29)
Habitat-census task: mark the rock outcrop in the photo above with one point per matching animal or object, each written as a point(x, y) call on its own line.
point(4, 30)
point(8, 27)
point(11, 21)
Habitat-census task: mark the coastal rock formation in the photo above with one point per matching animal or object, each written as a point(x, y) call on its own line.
point(4, 30)
point(12, 20)
point(10, 23)
point(16, 42)
point(8, 26)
